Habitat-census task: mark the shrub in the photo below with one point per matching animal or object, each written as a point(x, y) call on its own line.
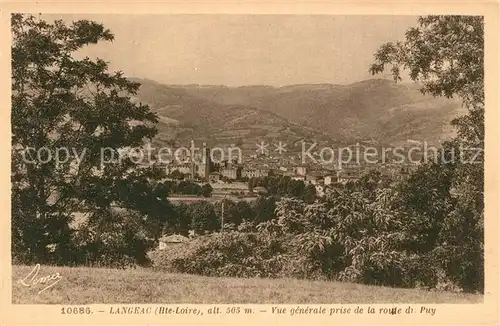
point(245, 254)
point(204, 218)
point(232, 254)
point(119, 242)
point(310, 255)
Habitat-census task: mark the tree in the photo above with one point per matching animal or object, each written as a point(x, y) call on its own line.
point(244, 211)
point(294, 188)
point(446, 54)
point(309, 194)
point(176, 175)
point(206, 190)
point(264, 208)
point(426, 196)
point(181, 222)
point(229, 211)
point(250, 184)
point(63, 108)
point(290, 215)
point(203, 217)
point(317, 215)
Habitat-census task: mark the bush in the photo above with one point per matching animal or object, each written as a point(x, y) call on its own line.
point(245, 254)
point(231, 254)
point(120, 242)
point(204, 218)
point(206, 190)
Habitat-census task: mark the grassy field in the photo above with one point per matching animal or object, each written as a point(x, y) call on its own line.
point(107, 286)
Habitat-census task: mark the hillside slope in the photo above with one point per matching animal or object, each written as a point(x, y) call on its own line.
point(376, 109)
point(184, 116)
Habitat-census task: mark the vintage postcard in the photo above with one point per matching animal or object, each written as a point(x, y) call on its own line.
point(204, 163)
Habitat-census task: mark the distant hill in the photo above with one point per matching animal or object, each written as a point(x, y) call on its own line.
point(376, 110)
point(184, 116)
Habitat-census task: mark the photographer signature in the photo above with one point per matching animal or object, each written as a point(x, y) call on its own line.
point(32, 279)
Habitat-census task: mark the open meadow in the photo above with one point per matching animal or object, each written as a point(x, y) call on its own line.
point(83, 285)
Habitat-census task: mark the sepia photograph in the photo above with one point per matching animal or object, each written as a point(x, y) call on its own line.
point(247, 159)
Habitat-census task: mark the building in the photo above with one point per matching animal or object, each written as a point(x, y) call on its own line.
point(199, 166)
point(171, 240)
point(231, 171)
point(203, 165)
point(300, 170)
point(184, 168)
point(311, 179)
point(346, 175)
point(314, 178)
point(254, 173)
point(400, 174)
point(329, 179)
point(214, 177)
point(320, 190)
point(299, 177)
point(260, 190)
point(347, 178)
point(286, 173)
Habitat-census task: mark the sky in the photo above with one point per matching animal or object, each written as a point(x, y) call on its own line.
point(237, 50)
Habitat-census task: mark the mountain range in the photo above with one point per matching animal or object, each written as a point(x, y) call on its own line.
point(374, 110)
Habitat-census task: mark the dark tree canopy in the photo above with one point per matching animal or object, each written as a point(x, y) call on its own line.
point(71, 108)
point(446, 55)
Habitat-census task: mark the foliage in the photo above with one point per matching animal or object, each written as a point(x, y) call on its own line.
point(180, 222)
point(206, 190)
point(122, 242)
point(309, 194)
point(68, 107)
point(446, 54)
point(224, 254)
point(185, 187)
point(385, 238)
point(290, 215)
point(284, 186)
point(177, 175)
point(264, 208)
point(203, 217)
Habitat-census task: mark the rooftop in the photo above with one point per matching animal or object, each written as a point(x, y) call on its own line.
point(174, 238)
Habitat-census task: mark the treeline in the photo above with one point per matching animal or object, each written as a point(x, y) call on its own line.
point(187, 188)
point(284, 186)
point(206, 217)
